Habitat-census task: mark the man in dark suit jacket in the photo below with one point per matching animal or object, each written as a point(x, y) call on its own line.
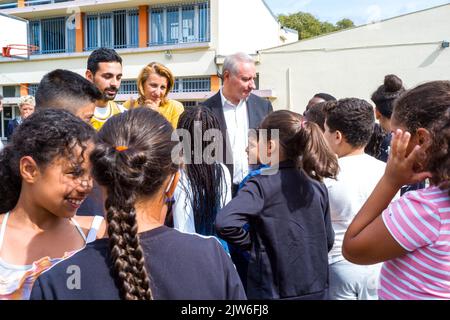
point(12, 125)
point(238, 110)
point(1, 109)
point(26, 108)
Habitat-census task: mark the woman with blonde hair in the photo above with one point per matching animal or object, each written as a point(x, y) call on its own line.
point(154, 84)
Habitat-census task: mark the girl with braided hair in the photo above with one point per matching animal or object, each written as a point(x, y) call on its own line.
point(142, 259)
point(205, 186)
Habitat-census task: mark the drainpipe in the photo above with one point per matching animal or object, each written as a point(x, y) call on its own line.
point(288, 89)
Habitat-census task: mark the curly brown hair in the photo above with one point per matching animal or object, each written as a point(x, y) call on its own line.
point(422, 106)
point(45, 135)
point(439, 160)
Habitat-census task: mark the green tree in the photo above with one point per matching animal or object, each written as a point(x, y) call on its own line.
point(309, 26)
point(306, 24)
point(344, 24)
point(327, 27)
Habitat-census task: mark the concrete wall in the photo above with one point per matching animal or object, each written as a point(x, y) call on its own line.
point(183, 63)
point(354, 62)
point(248, 26)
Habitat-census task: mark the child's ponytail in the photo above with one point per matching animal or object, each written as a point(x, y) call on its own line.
point(303, 142)
point(317, 159)
point(131, 159)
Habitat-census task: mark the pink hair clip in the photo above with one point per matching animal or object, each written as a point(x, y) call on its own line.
point(302, 123)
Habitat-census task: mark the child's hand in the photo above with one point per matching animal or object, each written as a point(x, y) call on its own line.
point(400, 167)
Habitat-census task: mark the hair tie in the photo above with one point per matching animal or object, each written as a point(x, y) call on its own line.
point(302, 123)
point(121, 148)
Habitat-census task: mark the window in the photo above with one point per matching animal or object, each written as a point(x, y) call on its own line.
point(179, 24)
point(187, 24)
point(11, 91)
point(29, 3)
point(8, 4)
point(199, 84)
point(54, 35)
point(191, 103)
point(128, 87)
point(117, 29)
point(32, 88)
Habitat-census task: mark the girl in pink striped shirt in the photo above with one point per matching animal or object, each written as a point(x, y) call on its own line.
point(412, 235)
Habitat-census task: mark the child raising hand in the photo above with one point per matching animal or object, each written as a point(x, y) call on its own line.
point(411, 234)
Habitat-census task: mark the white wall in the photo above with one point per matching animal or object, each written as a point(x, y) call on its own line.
point(196, 62)
point(353, 63)
point(245, 25)
point(289, 35)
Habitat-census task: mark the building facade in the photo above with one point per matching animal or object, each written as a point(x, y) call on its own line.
point(353, 62)
point(191, 37)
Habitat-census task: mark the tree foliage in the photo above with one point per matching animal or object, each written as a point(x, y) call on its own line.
point(309, 26)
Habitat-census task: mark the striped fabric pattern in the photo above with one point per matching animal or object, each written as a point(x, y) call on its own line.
point(420, 223)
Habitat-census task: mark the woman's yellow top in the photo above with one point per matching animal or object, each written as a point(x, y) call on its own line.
point(171, 110)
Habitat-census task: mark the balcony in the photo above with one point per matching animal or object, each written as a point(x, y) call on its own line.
point(185, 89)
point(170, 26)
point(30, 3)
point(8, 5)
point(179, 24)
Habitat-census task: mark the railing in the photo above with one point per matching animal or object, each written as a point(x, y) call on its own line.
point(117, 29)
point(29, 3)
point(9, 5)
point(190, 103)
point(32, 88)
point(184, 23)
point(177, 24)
point(128, 87)
point(52, 35)
point(199, 84)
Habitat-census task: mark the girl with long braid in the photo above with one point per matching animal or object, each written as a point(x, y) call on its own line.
point(204, 187)
point(142, 259)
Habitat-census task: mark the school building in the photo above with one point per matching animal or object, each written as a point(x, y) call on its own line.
point(191, 37)
point(353, 62)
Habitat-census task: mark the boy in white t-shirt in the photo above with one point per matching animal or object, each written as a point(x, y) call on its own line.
point(348, 126)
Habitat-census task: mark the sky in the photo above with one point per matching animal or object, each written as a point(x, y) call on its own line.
point(359, 11)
